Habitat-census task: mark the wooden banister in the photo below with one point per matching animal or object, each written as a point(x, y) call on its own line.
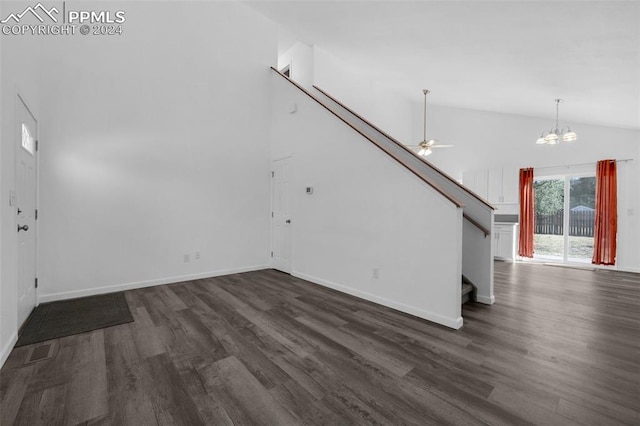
point(484, 230)
point(403, 146)
point(389, 153)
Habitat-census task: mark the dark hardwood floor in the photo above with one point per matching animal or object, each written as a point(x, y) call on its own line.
point(559, 347)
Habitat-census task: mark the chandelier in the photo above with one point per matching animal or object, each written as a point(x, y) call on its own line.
point(553, 136)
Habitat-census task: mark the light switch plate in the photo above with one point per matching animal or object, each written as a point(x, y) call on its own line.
point(12, 198)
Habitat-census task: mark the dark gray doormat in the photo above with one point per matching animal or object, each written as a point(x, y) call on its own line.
point(67, 317)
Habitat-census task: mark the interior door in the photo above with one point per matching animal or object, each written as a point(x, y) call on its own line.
point(281, 215)
point(26, 181)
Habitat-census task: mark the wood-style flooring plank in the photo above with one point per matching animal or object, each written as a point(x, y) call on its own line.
point(230, 380)
point(87, 395)
point(13, 389)
point(170, 400)
point(127, 397)
point(358, 346)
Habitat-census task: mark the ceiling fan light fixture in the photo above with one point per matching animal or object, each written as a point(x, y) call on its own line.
point(427, 145)
point(541, 140)
point(425, 152)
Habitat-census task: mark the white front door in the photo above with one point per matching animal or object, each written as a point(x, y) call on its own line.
point(281, 215)
point(26, 187)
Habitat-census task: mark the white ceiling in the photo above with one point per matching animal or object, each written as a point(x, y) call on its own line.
point(506, 56)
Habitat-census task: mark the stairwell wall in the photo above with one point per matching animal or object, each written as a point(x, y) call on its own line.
point(477, 258)
point(366, 212)
point(376, 102)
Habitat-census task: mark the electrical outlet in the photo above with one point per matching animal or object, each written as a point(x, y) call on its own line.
point(196, 256)
point(376, 273)
point(186, 258)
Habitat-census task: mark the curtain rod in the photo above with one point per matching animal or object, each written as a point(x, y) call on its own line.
point(576, 165)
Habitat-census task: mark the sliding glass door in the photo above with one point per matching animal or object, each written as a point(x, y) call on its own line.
point(564, 218)
point(582, 199)
point(548, 238)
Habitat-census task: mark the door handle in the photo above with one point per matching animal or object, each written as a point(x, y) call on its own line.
point(23, 228)
point(288, 221)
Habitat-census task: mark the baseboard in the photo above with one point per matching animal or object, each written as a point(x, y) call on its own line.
point(585, 267)
point(43, 298)
point(7, 348)
point(486, 300)
point(454, 323)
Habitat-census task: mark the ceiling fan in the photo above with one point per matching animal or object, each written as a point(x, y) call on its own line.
point(426, 145)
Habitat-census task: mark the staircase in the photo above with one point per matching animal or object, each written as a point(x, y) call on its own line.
point(477, 251)
point(468, 290)
point(467, 217)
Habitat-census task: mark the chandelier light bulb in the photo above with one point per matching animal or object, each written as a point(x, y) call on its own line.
point(551, 138)
point(570, 136)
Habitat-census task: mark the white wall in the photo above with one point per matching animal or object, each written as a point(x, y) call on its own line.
point(299, 57)
point(155, 146)
point(485, 139)
point(379, 104)
point(366, 212)
point(19, 73)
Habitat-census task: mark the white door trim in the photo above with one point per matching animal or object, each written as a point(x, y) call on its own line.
point(289, 267)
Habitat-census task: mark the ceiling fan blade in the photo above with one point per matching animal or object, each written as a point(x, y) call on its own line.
point(442, 146)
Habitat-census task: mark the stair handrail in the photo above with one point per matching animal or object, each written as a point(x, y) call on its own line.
point(426, 180)
point(403, 146)
point(484, 230)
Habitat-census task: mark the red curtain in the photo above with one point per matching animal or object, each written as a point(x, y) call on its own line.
point(606, 226)
point(527, 218)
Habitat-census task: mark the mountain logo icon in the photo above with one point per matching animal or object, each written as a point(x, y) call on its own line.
point(39, 11)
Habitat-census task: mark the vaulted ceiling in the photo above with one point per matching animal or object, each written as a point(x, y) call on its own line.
point(505, 56)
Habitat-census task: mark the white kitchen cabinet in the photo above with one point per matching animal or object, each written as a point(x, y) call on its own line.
point(505, 237)
point(510, 185)
point(476, 181)
point(503, 185)
point(494, 186)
